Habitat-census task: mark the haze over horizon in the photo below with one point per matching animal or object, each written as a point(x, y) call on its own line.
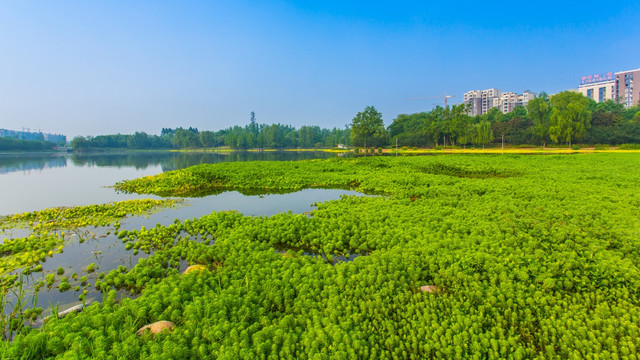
point(89, 68)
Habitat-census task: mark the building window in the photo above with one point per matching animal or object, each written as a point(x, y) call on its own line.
point(601, 94)
point(590, 93)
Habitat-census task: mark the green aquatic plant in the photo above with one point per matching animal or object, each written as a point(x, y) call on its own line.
point(531, 256)
point(66, 218)
point(50, 227)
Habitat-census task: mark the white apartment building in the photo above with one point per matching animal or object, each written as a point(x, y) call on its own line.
point(481, 101)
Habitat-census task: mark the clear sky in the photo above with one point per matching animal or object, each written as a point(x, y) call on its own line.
point(99, 67)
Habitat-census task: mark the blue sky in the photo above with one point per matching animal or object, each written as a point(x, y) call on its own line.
point(89, 67)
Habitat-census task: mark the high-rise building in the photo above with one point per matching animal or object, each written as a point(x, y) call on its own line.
point(481, 101)
point(626, 93)
point(474, 100)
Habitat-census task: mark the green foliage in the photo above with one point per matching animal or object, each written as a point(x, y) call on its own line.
point(251, 136)
point(570, 116)
point(482, 133)
point(367, 129)
point(629, 147)
point(533, 256)
point(48, 229)
point(539, 110)
point(9, 144)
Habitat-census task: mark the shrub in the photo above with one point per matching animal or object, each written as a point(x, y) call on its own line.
point(629, 147)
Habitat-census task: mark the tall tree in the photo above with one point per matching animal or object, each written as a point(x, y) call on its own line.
point(367, 128)
point(539, 111)
point(459, 122)
point(570, 116)
point(253, 125)
point(483, 133)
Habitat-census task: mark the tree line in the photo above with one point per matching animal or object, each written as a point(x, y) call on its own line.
point(564, 118)
point(251, 136)
point(11, 144)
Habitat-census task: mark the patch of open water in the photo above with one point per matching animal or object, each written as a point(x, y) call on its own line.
point(102, 247)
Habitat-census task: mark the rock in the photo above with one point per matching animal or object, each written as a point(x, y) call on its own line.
point(194, 268)
point(157, 327)
point(429, 288)
point(76, 308)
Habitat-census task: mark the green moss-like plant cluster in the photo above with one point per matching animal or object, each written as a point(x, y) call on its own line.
point(48, 228)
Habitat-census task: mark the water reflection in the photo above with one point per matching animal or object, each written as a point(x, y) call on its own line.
point(26, 163)
point(169, 161)
point(29, 183)
point(166, 160)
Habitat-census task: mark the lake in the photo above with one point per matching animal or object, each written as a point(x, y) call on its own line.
point(36, 182)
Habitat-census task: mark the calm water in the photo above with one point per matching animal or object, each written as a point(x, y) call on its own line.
point(29, 183)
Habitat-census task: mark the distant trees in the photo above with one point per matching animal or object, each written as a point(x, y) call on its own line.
point(184, 139)
point(139, 140)
point(252, 136)
point(563, 118)
point(80, 143)
point(207, 139)
point(11, 144)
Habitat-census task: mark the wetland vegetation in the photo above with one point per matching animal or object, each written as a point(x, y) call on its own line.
point(462, 256)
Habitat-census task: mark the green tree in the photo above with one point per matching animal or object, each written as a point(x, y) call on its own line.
point(494, 115)
point(539, 111)
point(80, 143)
point(367, 128)
point(502, 128)
point(207, 139)
point(607, 114)
point(459, 123)
point(570, 116)
point(483, 133)
point(185, 138)
point(409, 130)
point(139, 140)
point(253, 125)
